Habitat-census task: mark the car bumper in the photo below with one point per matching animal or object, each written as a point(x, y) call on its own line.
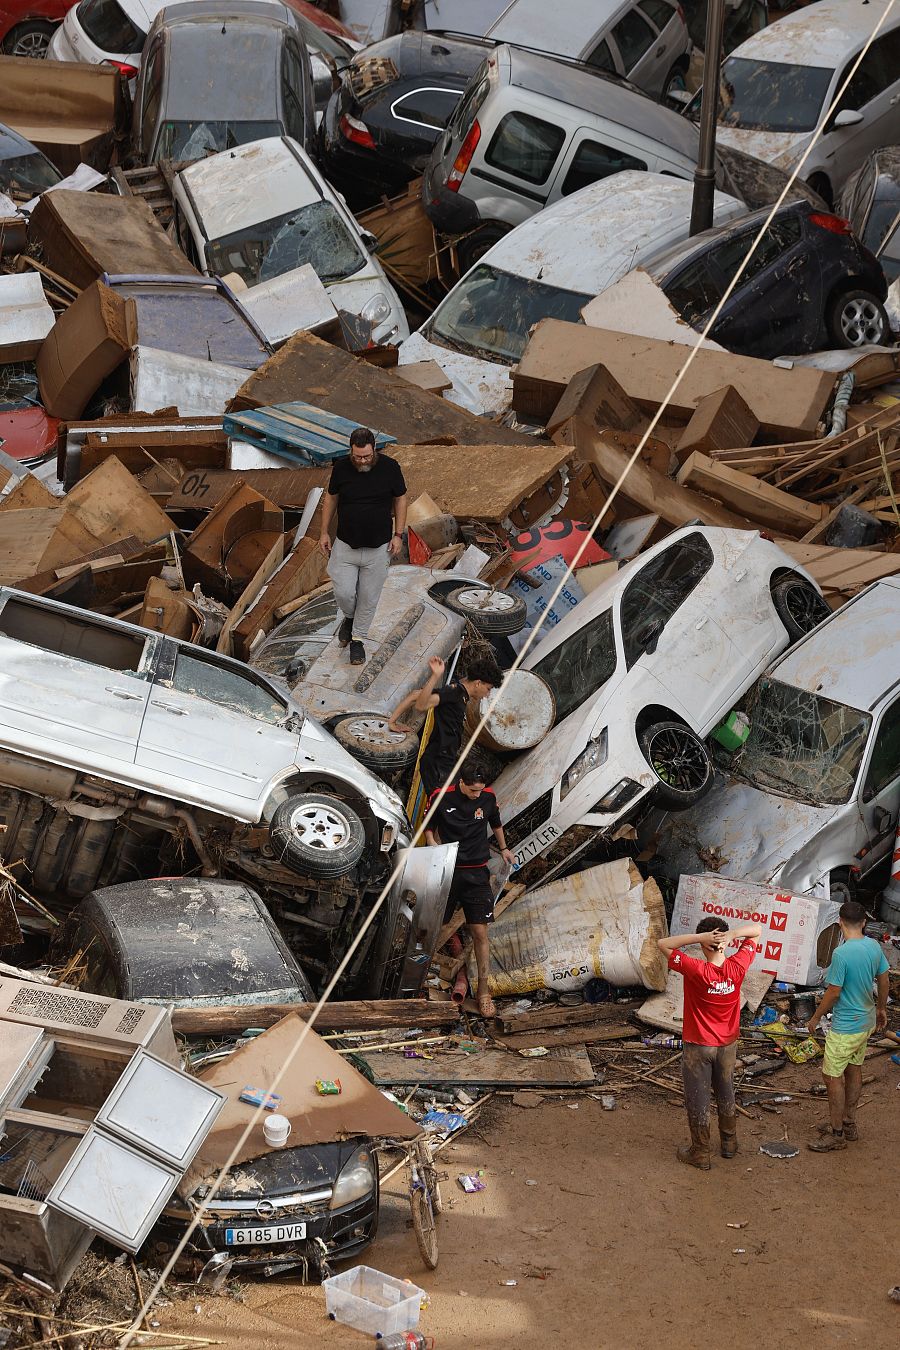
point(448, 211)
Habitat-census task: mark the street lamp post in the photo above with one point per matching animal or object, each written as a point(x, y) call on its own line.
point(705, 173)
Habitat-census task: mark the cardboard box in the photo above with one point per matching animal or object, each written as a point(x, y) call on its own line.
point(89, 340)
point(795, 944)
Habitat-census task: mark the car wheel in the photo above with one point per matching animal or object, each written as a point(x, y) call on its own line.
point(317, 835)
point(369, 739)
point(472, 247)
point(820, 184)
point(841, 887)
point(29, 39)
point(855, 318)
point(798, 605)
point(674, 80)
point(680, 761)
point(492, 612)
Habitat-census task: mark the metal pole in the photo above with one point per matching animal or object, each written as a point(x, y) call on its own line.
point(705, 174)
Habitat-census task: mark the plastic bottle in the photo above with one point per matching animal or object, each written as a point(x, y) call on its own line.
point(403, 1340)
point(661, 1040)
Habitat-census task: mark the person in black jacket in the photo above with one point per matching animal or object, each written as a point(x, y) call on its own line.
point(465, 814)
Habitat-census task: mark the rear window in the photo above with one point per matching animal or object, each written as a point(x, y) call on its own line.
point(426, 107)
point(109, 27)
point(470, 103)
point(525, 146)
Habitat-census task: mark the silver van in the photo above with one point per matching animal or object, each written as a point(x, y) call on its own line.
point(529, 130)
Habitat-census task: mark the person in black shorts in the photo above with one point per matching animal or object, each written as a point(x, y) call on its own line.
point(449, 703)
point(463, 814)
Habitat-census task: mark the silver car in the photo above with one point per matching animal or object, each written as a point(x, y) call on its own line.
point(812, 800)
point(125, 753)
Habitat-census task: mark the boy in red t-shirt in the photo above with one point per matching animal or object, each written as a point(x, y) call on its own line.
point(712, 1015)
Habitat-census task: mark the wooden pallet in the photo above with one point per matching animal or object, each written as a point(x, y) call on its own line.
point(297, 431)
point(152, 185)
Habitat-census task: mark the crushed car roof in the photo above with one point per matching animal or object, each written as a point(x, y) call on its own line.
point(251, 183)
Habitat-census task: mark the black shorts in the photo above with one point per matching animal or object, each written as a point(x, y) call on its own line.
point(433, 773)
point(471, 888)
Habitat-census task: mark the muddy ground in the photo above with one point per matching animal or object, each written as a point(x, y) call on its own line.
point(620, 1246)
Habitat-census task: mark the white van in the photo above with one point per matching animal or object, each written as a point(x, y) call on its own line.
point(550, 267)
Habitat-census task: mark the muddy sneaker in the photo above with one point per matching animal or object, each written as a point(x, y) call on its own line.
point(829, 1143)
point(345, 633)
point(851, 1130)
point(357, 654)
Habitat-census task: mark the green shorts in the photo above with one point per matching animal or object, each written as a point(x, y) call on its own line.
point(843, 1048)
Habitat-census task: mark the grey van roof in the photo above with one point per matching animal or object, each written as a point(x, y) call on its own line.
point(868, 626)
point(592, 91)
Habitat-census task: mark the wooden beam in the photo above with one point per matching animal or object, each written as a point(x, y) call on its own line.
point(758, 501)
point(542, 1019)
point(359, 1015)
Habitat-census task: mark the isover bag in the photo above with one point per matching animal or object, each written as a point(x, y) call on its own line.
point(603, 922)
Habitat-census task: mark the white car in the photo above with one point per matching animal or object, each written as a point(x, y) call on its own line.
point(262, 211)
point(110, 32)
point(778, 85)
point(550, 267)
point(642, 671)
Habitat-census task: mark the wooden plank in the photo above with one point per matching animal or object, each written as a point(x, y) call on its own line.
point(478, 482)
point(841, 572)
point(552, 1016)
point(358, 1015)
point(758, 501)
point(301, 571)
point(26, 540)
point(488, 1068)
point(111, 503)
point(204, 489)
point(29, 493)
point(557, 1037)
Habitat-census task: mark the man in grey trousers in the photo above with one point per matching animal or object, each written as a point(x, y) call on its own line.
point(368, 493)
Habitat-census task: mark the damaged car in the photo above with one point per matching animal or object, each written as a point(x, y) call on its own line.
point(871, 202)
point(642, 671)
point(810, 802)
point(124, 753)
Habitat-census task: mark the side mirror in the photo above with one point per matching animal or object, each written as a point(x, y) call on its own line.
point(848, 118)
point(371, 241)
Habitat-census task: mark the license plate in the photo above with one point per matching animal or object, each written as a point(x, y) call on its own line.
point(266, 1236)
point(536, 843)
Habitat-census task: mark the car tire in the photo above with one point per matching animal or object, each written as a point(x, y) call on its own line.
point(29, 39)
point(674, 80)
point(367, 737)
point(820, 184)
point(798, 605)
point(841, 886)
point(472, 247)
point(680, 761)
point(317, 835)
point(855, 318)
point(494, 613)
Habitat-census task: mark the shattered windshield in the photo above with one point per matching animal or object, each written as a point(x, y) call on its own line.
point(802, 744)
point(194, 140)
point(490, 313)
point(580, 665)
point(771, 96)
point(313, 234)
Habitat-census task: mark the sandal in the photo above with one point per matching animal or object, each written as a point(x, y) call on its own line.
point(486, 1006)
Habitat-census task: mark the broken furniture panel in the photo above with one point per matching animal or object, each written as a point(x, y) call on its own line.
point(25, 317)
point(37, 539)
point(720, 421)
point(488, 1068)
point(760, 502)
point(596, 397)
point(87, 343)
point(138, 439)
point(480, 482)
point(192, 387)
point(228, 547)
point(70, 110)
point(203, 489)
point(111, 503)
point(302, 570)
point(287, 304)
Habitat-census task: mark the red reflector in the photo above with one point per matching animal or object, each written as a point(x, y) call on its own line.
point(464, 158)
point(123, 68)
point(836, 224)
point(356, 131)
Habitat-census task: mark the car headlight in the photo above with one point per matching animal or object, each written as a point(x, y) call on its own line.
point(592, 757)
point(357, 1179)
point(377, 309)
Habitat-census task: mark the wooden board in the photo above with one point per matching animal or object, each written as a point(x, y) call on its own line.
point(137, 450)
point(358, 1015)
point(478, 482)
point(35, 540)
point(487, 1068)
point(426, 375)
point(758, 501)
point(554, 1038)
point(720, 420)
point(548, 1016)
point(112, 504)
point(301, 571)
point(787, 402)
point(327, 377)
point(203, 489)
point(29, 493)
point(841, 572)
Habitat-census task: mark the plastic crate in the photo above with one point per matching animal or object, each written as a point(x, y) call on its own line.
point(371, 1301)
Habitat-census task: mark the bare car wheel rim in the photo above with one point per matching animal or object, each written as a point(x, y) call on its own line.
point(678, 760)
point(374, 731)
point(805, 607)
point(31, 44)
point(861, 322)
point(320, 827)
point(486, 602)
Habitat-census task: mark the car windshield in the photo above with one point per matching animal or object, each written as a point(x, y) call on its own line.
point(802, 744)
point(194, 140)
point(771, 96)
point(580, 665)
point(289, 652)
point(313, 234)
point(490, 313)
point(29, 174)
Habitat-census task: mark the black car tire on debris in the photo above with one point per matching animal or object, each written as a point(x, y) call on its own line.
point(799, 606)
point(495, 613)
point(317, 835)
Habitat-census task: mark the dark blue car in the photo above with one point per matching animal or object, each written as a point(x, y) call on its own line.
point(809, 285)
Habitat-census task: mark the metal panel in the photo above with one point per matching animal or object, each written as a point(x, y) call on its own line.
point(114, 1189)
point(159, 1109)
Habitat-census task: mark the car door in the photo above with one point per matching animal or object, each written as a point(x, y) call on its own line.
point(149, 95)
point(592, 154)
point(777, 303)
point(518, 164)
point(642, 53)
point(880, 796)
point(873, 91)
point(72, 686)
point(678, 640)
point(216, 732)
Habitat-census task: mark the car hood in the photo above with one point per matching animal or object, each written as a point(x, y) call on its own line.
point(781, 148)
point(739, 831)
point(482, 387)
point(283, 1171)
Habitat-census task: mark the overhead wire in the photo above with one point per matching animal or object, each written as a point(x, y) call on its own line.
point(493, 701)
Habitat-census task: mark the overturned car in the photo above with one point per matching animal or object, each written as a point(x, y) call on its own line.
point(127, 754)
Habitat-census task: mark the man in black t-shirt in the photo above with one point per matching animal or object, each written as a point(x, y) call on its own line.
point(449, 704)
point(464, 814)
point(368, 492)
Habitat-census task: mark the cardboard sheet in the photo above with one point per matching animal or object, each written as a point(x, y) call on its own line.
point(89, 340)
point(25, 316)
point(68, 109)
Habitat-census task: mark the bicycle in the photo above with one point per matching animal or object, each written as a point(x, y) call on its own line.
point(425, 1199)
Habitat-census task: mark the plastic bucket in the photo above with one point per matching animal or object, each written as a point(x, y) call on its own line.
point(276, 1130)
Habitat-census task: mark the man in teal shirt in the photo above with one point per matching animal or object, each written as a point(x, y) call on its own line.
point(856, 966)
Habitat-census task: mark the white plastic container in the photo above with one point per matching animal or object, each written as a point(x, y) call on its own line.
point(371, 1301)
point(276, 1130)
